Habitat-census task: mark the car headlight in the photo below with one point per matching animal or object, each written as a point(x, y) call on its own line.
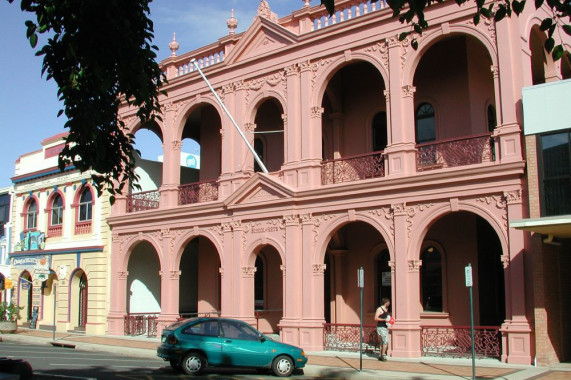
point(303, 353)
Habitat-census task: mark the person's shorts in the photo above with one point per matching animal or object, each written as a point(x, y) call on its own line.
point(383, 334)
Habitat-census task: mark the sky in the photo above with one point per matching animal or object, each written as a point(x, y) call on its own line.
point(29, 104)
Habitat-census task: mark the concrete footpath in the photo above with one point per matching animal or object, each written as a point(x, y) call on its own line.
point(321, 364)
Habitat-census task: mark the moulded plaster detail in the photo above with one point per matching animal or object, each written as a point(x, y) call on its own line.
point(248, 271)
point(414, 265)
point(408, 91)
point(316, 112)
point(388, 214)
point(319, 269)
point(315, 68)
point(317, 221)
point(513, 197)
point(392, 266)
point(123, 275)
point(500, 203)
point(177, 145)
point(381, 49)
point(505, 260)
point(271, 80)
point(175, 274)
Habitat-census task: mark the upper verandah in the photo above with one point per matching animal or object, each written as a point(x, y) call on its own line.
point(300, 22)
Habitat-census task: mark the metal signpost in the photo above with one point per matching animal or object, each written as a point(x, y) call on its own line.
point(55, 305)
point(469, 283)
point(361, 285)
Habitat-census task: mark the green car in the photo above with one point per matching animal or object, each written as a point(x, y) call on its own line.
point(193, 344)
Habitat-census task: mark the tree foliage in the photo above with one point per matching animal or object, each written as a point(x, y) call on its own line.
point(99, 53)
point(412, 12)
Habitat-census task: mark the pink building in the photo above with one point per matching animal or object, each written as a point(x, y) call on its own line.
point(406, 163)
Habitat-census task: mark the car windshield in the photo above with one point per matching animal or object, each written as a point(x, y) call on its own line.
point(238, 330)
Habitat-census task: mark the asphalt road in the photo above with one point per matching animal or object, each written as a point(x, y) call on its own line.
point(68, 363)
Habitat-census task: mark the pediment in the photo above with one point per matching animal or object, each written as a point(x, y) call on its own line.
point(261, 188)
point(263, 36)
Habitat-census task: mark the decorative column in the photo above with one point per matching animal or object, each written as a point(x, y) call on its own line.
point(338, 123)
point(516, 331)
point(400, 152)
point(227, 291)
point(118, 297)
point(511, 77)
point(293, 281)
point(406, 331)
point(169, 299)
point(171, 159)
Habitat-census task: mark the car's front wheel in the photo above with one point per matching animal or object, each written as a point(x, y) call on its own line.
point(282, 366)
point(193, 363)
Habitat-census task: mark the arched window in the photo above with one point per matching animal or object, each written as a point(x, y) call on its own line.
point(492, 118)
point(32, 215)
point(425, 123)
point(259, 284)
point(85, 206)
point(259, 149)
point(383, 283)
point(431, 279)
point(379, 131)
point(56, 218)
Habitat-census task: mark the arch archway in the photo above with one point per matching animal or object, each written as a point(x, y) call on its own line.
point(78, 300)
point(143, 281)
point(25, 294)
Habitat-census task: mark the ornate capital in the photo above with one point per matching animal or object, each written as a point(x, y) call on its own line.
point(221, 271)
point(505, 260)
point(393, 41)
point(399, 209)
point(408, 91)
point(316, 111)
point(414, 265)
point(249, 127)
point(392, 266)
point(306, 219)
point(123, 275)
point(292, 69)
point(387, 94)
point(248, 271)
point(174, 274)
point(513, 197)
point(283, 269)
point(319, 269)
point(305, 66)
point(495, 71)
point(291, 220)
point(177, 145)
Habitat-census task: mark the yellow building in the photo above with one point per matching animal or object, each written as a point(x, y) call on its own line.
point(59, 255)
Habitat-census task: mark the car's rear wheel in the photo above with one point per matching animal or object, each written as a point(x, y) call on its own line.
point(282, 366)
point(193, 363)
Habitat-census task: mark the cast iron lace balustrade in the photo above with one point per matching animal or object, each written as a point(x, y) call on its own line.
point(455, 152)
point(141, 323)
point(345, 337)
point(353, 168)
point(198, 192)
point(456, 341)
point(146, 200)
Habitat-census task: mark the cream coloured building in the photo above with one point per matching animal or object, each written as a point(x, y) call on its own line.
point(58, 256)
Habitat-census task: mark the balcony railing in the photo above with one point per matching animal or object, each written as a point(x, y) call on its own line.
point(456, 341)
point(344, 11)
point(198, 192)
point(346, 337)
point(141, 324)
point(455, 152)
point(146, 200)
point(55, 231)
point(352, 168)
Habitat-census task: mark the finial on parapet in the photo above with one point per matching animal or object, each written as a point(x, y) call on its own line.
point(264, 11)
point(173, 45)
point(232, 23)
point(306, 3)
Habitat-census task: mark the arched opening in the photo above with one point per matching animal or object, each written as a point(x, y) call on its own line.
point(453, 76)
point(268, 290)
point(200, 281)
point(451, 243)
point(31, 214)
point(383, 276)
point(425, 121)
point(269, 135)
point(148, 142)
point(25, 295)
point(538, 55)
point(354, 124)
point(49, 291)
point(202, 142)
point(78, 300)
point(143, 281)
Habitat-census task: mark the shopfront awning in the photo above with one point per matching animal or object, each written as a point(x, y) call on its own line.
point(552, 226)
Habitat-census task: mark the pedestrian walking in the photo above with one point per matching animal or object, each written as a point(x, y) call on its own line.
point(382, 317)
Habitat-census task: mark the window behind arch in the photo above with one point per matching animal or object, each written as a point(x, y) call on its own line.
point(259, 284)
point(56, 217)
point(425, 123)
point(32, 215)
point(492, 122)
point(259, 149)
point(85, 205)
point(379, 131)
point(431, 279)
point(383, 283)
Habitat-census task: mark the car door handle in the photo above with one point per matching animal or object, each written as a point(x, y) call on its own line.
point(228, 341)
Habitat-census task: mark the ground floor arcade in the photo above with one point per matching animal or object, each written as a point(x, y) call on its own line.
point(295, 274)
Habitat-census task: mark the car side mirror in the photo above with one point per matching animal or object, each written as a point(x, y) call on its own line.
point(262, 338)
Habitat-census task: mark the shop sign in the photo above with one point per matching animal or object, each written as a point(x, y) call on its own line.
point(386, 279)
point(42, 268)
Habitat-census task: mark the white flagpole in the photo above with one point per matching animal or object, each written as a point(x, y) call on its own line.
point(256, 157)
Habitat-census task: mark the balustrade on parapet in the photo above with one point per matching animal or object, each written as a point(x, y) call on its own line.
point(353, 168)
point(455, 152)
point(145, 200)
point(346, 337)
point(344, 11)
point(456, 341)
point(198, 192)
